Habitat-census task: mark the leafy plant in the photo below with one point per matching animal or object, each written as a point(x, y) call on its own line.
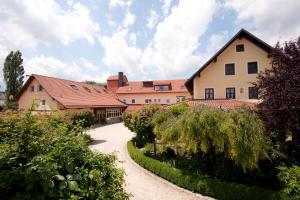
point(47, 157)
point(290, 177)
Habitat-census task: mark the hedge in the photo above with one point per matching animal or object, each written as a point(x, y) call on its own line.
point(201, 183)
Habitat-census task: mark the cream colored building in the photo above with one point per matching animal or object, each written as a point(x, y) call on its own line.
point(230, 72)
point(148, 92)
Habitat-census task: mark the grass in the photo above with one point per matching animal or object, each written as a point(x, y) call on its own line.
point(202, 183)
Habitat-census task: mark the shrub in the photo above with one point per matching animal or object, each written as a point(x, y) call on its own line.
point(44, 157)
point(140, 123)
point(84, 116)
point(290, 177)
point(201, 183)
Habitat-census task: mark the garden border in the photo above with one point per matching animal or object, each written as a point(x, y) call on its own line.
point(201, 184)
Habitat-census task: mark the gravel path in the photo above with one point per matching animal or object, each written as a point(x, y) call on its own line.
point(142, 184)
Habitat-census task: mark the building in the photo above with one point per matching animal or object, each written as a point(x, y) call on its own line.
point(148, 92)
point(230, 72)
point(50, 94)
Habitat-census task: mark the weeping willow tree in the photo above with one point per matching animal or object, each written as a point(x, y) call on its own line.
point(236, 134)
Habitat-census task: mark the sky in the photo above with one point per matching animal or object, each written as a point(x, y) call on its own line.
point(146, 39)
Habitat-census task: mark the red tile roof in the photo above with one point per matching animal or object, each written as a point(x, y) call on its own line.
point(222, 103)
point(85, 96)
point(137, 87)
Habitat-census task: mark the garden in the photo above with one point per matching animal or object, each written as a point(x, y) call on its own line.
point(47, 157)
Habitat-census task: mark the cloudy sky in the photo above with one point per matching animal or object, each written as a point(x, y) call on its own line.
point(158, 39)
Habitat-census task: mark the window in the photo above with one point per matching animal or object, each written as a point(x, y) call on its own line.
point(252, 67)
point(147, 100)
point(180, 98)
point(32, 88)
point(98, 91)
point(209, 93)
point(229, 69)
point(87, 89)
point(40, 88)
point(230, 93)
point(124, 100)
point(158, 100)
point(148, 84)
point(168, 101)
point(161, 87)
point(253, 92)
point(240, 48)
point(132, 100)
point(74, 87)
point(113, 113)
point(154, 100)
point(43, 102)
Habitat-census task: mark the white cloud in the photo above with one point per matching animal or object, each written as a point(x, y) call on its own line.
point(166, 6)
point(80, 70)
point(152, 19)
point(172, 49)
point(27, 23)
point(217, 41)
point(273, 20)
point(129, 19)
point(121, 3)
point(119, 56)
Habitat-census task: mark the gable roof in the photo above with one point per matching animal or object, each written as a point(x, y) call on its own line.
point(137, 87)
point(72, 94)
point(241, 34)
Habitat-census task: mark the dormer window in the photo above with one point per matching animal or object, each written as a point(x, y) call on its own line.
point(162, 87)
point(74, 87)
point(240, 48)
point(87, 89)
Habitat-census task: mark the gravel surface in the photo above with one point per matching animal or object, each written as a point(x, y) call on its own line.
point(140, 183)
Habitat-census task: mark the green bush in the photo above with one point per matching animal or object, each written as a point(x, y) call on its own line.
point(84, 116)
point(45, 157)
point(290, 177)
point(202, 183)
point(140, 123)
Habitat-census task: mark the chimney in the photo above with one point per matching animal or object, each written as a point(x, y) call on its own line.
point(121, 79)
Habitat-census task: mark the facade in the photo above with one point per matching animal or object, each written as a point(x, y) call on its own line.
point(230, 72)
point(50, 94)
point(149, 92)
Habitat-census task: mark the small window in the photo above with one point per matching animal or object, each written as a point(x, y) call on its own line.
point(253, 93)
point(98, 91)
point(162, 87)
point(168, 101)
point(229, 69)
point(43, 102)
point(132, 100)
point(230, 93)
point(252, 67)
point(147, 100)
point(158, 100)
point(40, 88)
point(74, 87)
point(240, 48)
point(209, 93)
point(87, 89)
point(32, 88)
point(105, 91)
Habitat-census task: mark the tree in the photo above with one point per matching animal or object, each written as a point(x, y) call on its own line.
point(279, 88)
point(13, 72)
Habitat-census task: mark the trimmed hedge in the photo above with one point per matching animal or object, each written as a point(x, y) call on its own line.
point(201, 183)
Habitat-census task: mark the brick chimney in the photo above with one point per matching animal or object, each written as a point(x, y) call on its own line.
point(120, 79)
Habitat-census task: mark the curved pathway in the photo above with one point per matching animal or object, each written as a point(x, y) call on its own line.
point(142, 184)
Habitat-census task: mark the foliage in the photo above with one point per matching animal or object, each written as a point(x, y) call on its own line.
point(201, 183)
point(279, 89)
point(236, 134)
point(46, 157)
point(140, 123)
point(94, 83)
point(13, 72)
point(83, 116)
point(290, 177)
point(178, 109)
